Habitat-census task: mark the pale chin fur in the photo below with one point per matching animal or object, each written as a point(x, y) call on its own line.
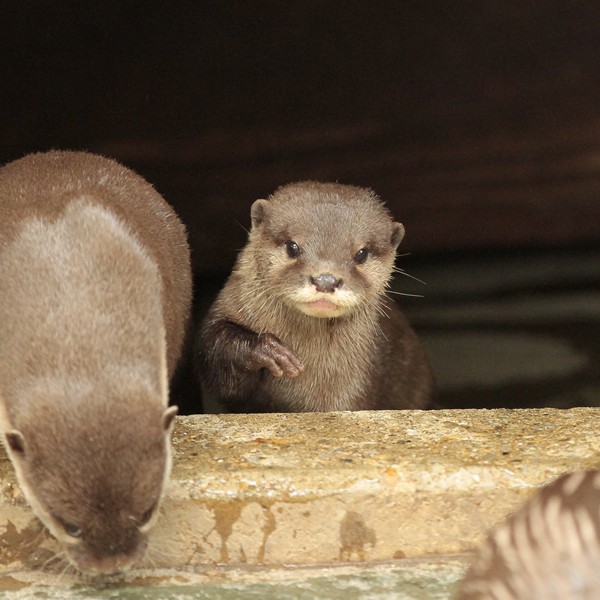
point(324, 306)
point(321, 312)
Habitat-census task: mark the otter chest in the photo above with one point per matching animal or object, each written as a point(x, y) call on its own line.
point(337, 369)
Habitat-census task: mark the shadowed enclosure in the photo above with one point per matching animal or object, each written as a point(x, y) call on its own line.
point(476, 123)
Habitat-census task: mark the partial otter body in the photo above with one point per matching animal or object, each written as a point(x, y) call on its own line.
point(95, 290)
point(550, 549)
point(303, 323)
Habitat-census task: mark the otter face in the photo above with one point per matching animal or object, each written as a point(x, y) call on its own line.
point(327, 250)
point(94, 474)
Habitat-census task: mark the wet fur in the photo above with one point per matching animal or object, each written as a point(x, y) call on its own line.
point(94, 296)
point(368, 358)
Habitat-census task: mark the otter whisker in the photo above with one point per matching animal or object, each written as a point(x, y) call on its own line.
point(36, 540)
point(405, 274)
point(68, 569)
point(242, 226)
point(404, 294)
point(156, 550)
point(57, 557)
point(383, 308)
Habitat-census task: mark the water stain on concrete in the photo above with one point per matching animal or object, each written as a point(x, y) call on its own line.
point(226, 514)
point(268, 528)
point(355, 537)
point(23, 544)
point(9, 584)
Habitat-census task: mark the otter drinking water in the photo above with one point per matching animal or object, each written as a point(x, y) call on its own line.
point(95, 290)
point(303, 322)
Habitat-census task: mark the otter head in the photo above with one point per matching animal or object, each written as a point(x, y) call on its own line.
point(326, 249)
point(93, 461)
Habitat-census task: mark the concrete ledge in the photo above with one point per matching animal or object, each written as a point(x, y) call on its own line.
point(334, 488)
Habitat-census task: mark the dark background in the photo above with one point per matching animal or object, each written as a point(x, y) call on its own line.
point(477, 122)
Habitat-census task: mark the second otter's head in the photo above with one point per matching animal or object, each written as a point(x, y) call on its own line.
point(93, 462)
point(325, 249)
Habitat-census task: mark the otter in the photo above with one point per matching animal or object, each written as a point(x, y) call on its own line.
point(95, 292)
point(303, 322)
point(548, 549)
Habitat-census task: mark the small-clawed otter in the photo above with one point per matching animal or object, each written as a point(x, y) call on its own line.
point(302, 324)
point(95, 290)
point(549, 549)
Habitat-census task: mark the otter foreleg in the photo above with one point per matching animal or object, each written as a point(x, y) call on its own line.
point(234, 359)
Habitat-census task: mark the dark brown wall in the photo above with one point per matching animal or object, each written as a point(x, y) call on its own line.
point(478, 122)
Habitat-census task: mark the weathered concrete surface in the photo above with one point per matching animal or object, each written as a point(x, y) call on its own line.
point(410, 579)
point(334, 488)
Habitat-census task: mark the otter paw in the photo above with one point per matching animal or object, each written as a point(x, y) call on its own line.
point(272, 354)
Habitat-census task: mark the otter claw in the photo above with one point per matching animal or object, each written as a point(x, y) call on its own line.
point(272, 354)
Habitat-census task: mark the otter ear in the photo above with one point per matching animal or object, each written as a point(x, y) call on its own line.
point(15, 441)
point(258, 212)
point(168, 416)
point(397, 234)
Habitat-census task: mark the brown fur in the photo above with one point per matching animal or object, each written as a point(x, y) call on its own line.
point(550, 549)
point(258, 348)
point(95, 290)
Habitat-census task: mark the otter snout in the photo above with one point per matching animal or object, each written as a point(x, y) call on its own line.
point(326, 283)
point(116, 557)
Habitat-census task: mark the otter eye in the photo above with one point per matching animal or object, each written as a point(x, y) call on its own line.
point(361, 256)
point(70, 528)
point(145, 518)
point(293, 250)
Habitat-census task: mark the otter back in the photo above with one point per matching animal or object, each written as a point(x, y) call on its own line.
point(548, 550)
point(92, 315)
point(79, 295)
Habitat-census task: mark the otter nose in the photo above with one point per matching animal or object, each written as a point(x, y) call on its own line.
point(326, 282)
